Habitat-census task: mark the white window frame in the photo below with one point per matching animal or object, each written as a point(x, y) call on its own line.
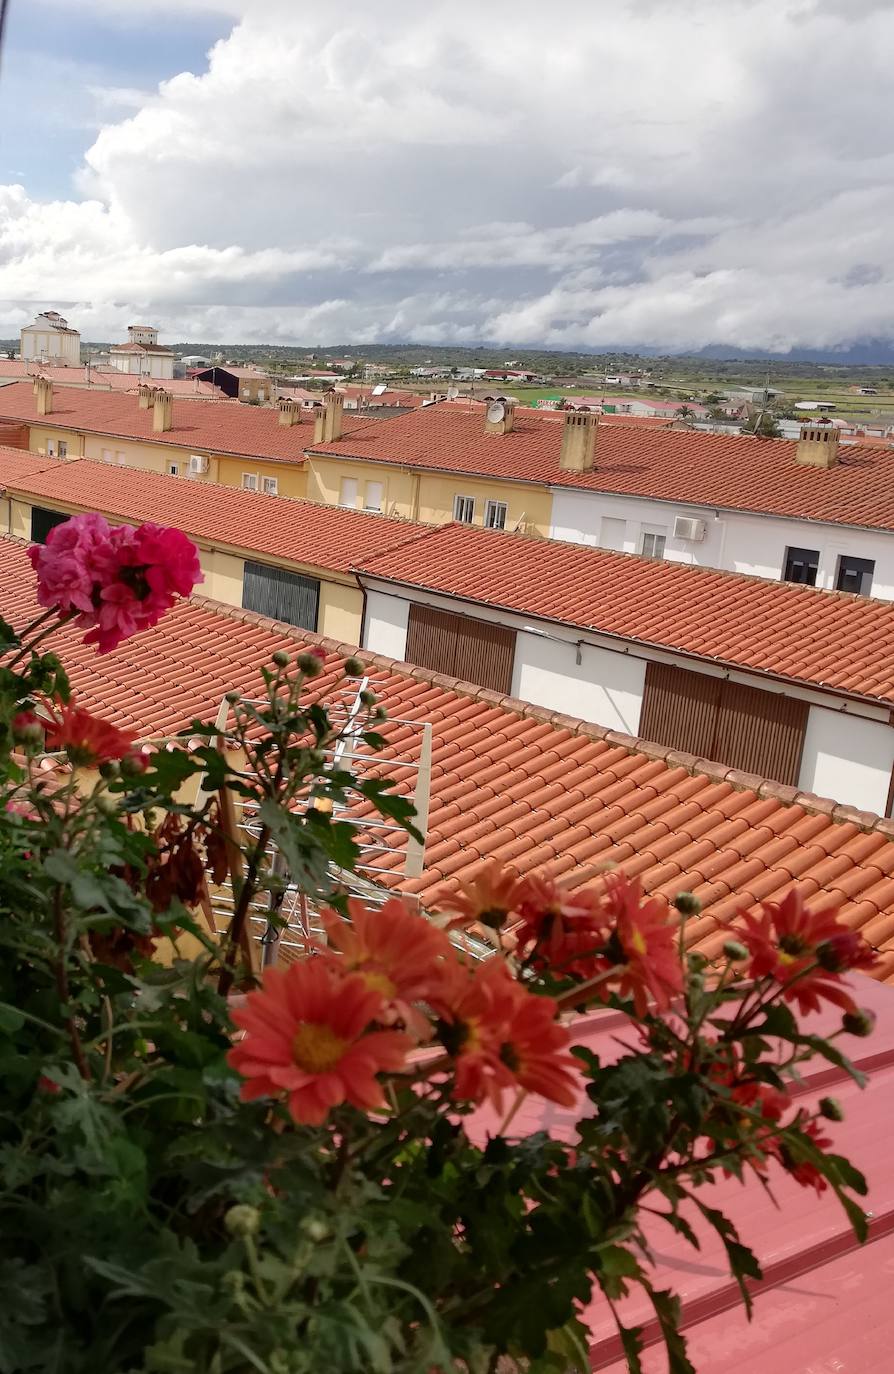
point(173, 469)
point(649, 540)
point(51, 448)
point(491, 509)
point(270, 486)
point(366, 503)
point(460, 504)
point(249, 481)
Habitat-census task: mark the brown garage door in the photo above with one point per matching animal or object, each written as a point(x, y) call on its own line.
point(475, 650)
point(745, 727)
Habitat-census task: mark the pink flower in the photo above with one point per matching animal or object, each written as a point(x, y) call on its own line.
point(114, 582)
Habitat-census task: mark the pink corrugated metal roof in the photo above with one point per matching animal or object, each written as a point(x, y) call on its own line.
point(823, 1306)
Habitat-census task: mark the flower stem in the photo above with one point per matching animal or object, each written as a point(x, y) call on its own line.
point(74, 1036)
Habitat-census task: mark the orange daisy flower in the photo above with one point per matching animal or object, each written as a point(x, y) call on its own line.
point(87, 739)
point(488, 899)
point(307, 1036)
point(642, 945)
point(396, 952)
point(503, 1037)
point(560, 929)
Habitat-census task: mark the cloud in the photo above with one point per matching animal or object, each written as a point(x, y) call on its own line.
point(673, 174)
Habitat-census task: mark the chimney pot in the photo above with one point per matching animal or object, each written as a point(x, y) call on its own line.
point(330, 420)
point(578, 450)
point(145, 394)
point(289, 412)
point(162, 410)
point(818, 445)
point(499, 415)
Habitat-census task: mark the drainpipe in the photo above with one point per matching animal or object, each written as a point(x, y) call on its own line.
point(363, 593)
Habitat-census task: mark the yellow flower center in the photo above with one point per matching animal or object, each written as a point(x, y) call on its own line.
point(637, 942)
point(317, 1048)
point(379, 982)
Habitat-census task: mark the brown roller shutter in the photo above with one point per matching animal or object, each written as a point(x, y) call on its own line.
point(474, 650)
point(431, 639)
point(680, 709)
point(760, 732)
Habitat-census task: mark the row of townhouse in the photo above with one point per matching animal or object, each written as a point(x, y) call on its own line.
point(807, 510)
point(786, 682)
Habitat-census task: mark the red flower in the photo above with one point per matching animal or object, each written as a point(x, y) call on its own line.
point(396, 952)
point(86, 739)
point(503, 1037)
point(642, 945)
point(487, 899)
point(771, 1102)
point(803, 950)
point(560, 929)
point(307, 1035)
point(802, 1170)
point(113, 582)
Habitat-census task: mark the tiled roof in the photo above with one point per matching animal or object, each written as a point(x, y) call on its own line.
point(318, 536)
point(16, 465)
point(729, 471)
point(253, 431)
point(108, 378)
point(823, 639)
point(531, 788)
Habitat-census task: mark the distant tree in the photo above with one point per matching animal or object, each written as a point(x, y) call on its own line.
point(764, 425)
point(713, 398)
point(686, 413)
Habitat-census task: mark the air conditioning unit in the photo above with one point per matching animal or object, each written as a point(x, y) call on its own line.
point(197, 465)
point(686, 528)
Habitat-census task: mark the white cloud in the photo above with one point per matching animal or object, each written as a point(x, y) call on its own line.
point(675, 174)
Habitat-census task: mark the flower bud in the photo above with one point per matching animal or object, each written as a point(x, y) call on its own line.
point(27, 729)
point(380, 713)
point(831, 1109)
point(841, 951)
point(315, 1228)
point(106, 804)
point(697, 961)
point(687, 904)
point(734, 950)
point(243, 1220)
point(354, 667)
point(233, 697)
point(134, 764)
point(860, 1022)
point(281, 658)
point(110, 769)
point(368, 698)
point(309, 664)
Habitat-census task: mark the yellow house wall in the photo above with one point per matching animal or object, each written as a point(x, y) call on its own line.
point(291, 477)
point(429, 496)
point(341, 609)
point(19, 519)
point(224, 574)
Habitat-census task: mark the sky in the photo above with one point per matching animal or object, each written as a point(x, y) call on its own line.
point(580, 174)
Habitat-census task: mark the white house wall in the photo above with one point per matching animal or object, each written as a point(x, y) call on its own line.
point(847, 758)
point(739, 542)
point(385, 629)
point(605, 687)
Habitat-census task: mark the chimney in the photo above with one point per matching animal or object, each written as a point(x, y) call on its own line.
point(43, 390)
point(499, 415)
point(145, 394)
point(578, 441)
point(818, 445)
point(162, 410)
point(289, 412)
point(329, 421)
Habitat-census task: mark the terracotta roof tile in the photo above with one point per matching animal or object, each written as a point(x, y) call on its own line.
point(677, 828)
point(698, 612)
point(319, 536)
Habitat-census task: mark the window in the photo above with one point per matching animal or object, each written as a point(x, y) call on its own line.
point(801, 566)
point(373, 495)
point(108, 456)
point(281, 595)
point(855, 575)
point(495, 515)
point(260, 393)
point(464, 509)
point(63, 448)
point(347, 492)
point(654, 538)
point(42, 521)
point(271, 486)
point(173, 469)
point(246, 391)
point(249, 481)
point(51, 448)
point(612, 533)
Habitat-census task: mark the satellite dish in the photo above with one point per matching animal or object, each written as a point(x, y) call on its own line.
point(380, 389)
point(452, 393)
point(496, 412)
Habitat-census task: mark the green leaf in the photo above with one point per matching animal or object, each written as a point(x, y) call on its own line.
point(667, 1310)
point(632, 1345)
point(743, 1262)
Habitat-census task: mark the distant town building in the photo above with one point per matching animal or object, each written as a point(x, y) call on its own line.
point(50, 339)
point(247, 384)
point(143, 354)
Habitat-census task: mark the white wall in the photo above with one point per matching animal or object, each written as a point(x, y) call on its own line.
point(847, 758)
point(385, 630)
point(605, 687)
point(739, 542)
